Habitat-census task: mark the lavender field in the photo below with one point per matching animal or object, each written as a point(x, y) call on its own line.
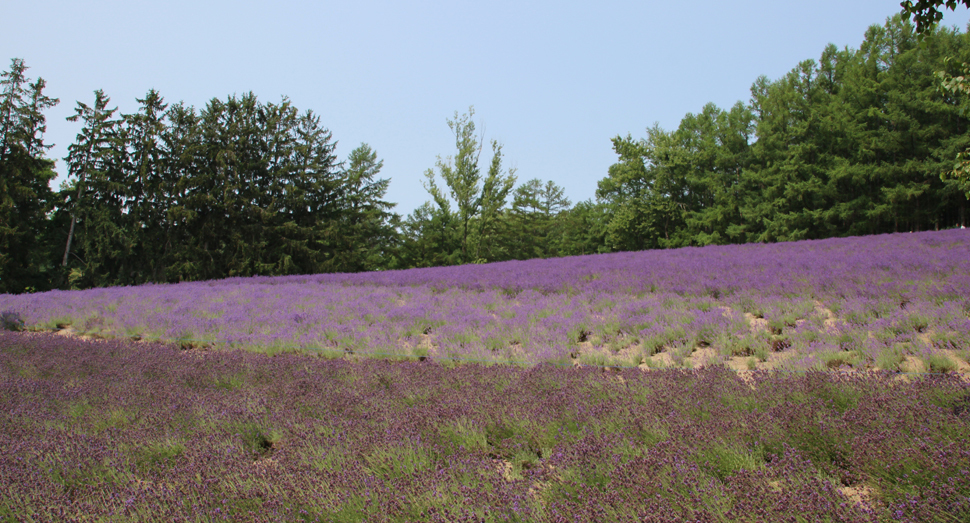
point(896, 302)
point(505, 392)
point(117, 431)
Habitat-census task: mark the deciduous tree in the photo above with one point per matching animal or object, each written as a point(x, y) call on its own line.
point(477, 200)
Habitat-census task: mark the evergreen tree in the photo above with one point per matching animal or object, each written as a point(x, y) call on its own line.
point(25, 175)
point(95, 196)
point(182, 140)
point(313, 195)
point(264, 193)
point(584, 229)
point(429, 237)
point(148, 199)
point(535, 225)
point(363, 233)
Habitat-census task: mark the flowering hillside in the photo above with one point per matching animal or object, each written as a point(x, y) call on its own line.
point(894, 302)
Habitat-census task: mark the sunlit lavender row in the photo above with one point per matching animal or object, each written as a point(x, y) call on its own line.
point(893, 302)
point(112, 430)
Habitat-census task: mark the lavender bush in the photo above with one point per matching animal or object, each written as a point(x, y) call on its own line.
point(11, 321)
point(893, 302)
point(114, 430)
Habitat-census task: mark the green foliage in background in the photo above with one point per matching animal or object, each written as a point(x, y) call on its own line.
point(860, 141)
point(851, 144)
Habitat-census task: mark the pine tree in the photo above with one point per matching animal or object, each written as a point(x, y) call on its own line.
point(25, 175)
point(363, 233)
point(96, 195)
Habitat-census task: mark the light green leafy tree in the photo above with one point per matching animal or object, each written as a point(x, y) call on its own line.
point(927, 14)
point(960, 86)
point(478, 200)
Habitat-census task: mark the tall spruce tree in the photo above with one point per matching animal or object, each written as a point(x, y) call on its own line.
point(147, 204)
point(25, 175)
point(182, 140)
point(363, 235)
point(96, 195)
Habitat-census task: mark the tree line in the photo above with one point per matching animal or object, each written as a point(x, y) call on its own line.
point(853, 143)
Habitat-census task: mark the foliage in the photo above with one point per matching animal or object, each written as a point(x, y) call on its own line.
point(959, 87)
point(927, 13)
point(851, 144)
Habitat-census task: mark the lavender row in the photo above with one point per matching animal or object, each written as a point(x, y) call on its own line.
point(895, 302)
point(933, 263)
point(119, 431)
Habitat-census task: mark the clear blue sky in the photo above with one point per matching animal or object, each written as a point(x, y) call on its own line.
point(552, 81)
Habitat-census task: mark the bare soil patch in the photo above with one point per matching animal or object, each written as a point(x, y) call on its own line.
point(831, 321)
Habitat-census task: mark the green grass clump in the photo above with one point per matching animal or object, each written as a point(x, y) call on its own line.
point(159, 454)
point(939, 363)
point(890, 359)
point(396, 461)
point(257, 440)
point(464, 434)
point(722, 460)
point(836, 359)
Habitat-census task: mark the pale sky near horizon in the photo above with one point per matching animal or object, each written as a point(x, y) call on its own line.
point(552, 81)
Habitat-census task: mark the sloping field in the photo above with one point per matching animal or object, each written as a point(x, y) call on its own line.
point(896, 302)
point(358, 397)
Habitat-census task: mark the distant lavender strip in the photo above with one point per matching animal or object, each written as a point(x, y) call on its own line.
point(628, 305)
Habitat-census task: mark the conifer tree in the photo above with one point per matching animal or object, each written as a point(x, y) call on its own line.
point(534, 226)
point(149, 187)
point(25, 175)
point(363, 234)
point(96, 194)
